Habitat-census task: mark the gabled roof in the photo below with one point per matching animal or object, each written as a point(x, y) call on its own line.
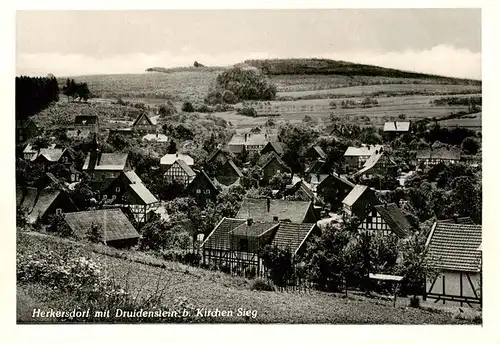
point(397, 126)
point(107, 161)
point(203, 175)
point(214, 154)
point(266, 160)
point(235, 168)
point(113, 222)
point(256, 229)
point(317, 166)
point(132, 177)
point(321, 153)
point(355, 194)
point(277, 147)
point(256, 208)
point(449, 153)
point(454, 246)
point(51, 154)
point(292, 235)
point(86, 119)
point(252, 139)
point(24, 123)
point(141, 116)
point(364, 150)
point(219, 237)
point(371, 162)
point(395, 218)
point(36, 203)
point(169, 159)
point(143, 193)
point(182, 164)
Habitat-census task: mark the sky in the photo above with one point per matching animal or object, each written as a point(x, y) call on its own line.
point(65, 43)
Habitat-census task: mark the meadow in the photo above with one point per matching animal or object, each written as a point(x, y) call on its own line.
point(143, 275)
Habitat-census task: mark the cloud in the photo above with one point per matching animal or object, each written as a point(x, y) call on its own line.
point(441, 60)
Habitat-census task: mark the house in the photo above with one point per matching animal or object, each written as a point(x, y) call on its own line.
point(41, 204)
point(157, 137)
point(333, 189)
point(274, 146)
point(180, 172)
point(356, 157)
point(26, 129)
point(228, 173)
point(316, 153)
point(202, 188)
point(237, 243)
point(168, 160)
point(434, 156)
point(454, 250)
point(317, 167)
point(271, 165)
point(128, 191)
point(30, 153)
point(50, 156)
point(397, 127)
point(386, 219)
point(103, 166)
point(300, 190)
point(218, 157)
point(144, 123)
point(250, 142)
point(376, 163)
point(359, 201)
point(116, 229)
point(86, 124)
point(262, 209)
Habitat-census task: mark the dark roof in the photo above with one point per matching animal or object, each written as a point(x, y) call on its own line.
point(454, 246)
point(256, 208)
point(141, 116)
point(24, 123)
point(321, 153)
point(256, 229)
point(395, 218)
point(86, 119)
point(219, 237)
point(214, 154)
point(266, 160)
point(292, 235)
point(34, 202)
point(235, 168)
point(317, 166)
point(277, 147)
point(114, 223)
point(450, 153)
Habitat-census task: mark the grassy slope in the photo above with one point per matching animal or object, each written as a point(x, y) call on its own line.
point(211, 290)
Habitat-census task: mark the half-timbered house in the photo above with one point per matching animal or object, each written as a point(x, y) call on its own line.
point(168, 160)
point(386, 219)
point(144, 123)
point(433, 156)
point(359, 201)
point(356, 157)
point(180, 172)
point(454, 251)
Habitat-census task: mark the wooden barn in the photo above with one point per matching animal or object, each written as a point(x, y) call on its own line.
point(236, 244)
point(454, 251)
point(116, 228)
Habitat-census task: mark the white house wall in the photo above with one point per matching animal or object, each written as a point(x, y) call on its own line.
point(451, 293)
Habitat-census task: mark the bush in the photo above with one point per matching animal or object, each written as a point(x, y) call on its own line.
point(229, 97)
point(94, 233)
point(415, 301)
point(246, 84)
point(187, 107)
point(247, 111)
point(262, 284)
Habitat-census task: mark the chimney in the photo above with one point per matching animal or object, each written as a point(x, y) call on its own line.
point(395, 125)
point(265, 136)
point(156, 134)
point(385, 205)
point(275, 218)
point(268, 204)
point(249, 221)
point(176, 155)
point(246, 137)
point(455, 218)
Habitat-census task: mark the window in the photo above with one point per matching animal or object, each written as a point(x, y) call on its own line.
point(243, 245)
point(207, 192)
point(117, 189)
point(58, 211)
point(198, 191)
point(64, 159)
point(104, 196)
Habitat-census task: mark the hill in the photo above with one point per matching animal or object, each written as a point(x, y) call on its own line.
point(333, 67)
point(144, 276)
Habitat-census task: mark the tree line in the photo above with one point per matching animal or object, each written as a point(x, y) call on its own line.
point(33, 94)
point(76, 90)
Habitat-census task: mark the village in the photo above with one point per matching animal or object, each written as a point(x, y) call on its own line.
point(398, 206)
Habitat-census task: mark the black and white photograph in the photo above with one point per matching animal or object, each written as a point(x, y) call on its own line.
point(249, 166)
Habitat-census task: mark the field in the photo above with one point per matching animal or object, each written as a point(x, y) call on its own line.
point(216, 290)
point(298, 96)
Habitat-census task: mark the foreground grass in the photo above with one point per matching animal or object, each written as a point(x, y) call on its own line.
point(211, 290)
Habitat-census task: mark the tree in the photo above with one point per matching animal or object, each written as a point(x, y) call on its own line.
point(229, 97)
point(58, 225)
point(82, 91)
point(172, 147)
point(187, 107)
point(94, 234)
point(279, 264)
point(470, 145)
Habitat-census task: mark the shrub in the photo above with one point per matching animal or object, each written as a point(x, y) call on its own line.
point(262, 285)
point(187, 107)
point(229, 97)
point(58, 225)
point(415, 301)
point(246, 84)
point(94, 233)
point(247, 111)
